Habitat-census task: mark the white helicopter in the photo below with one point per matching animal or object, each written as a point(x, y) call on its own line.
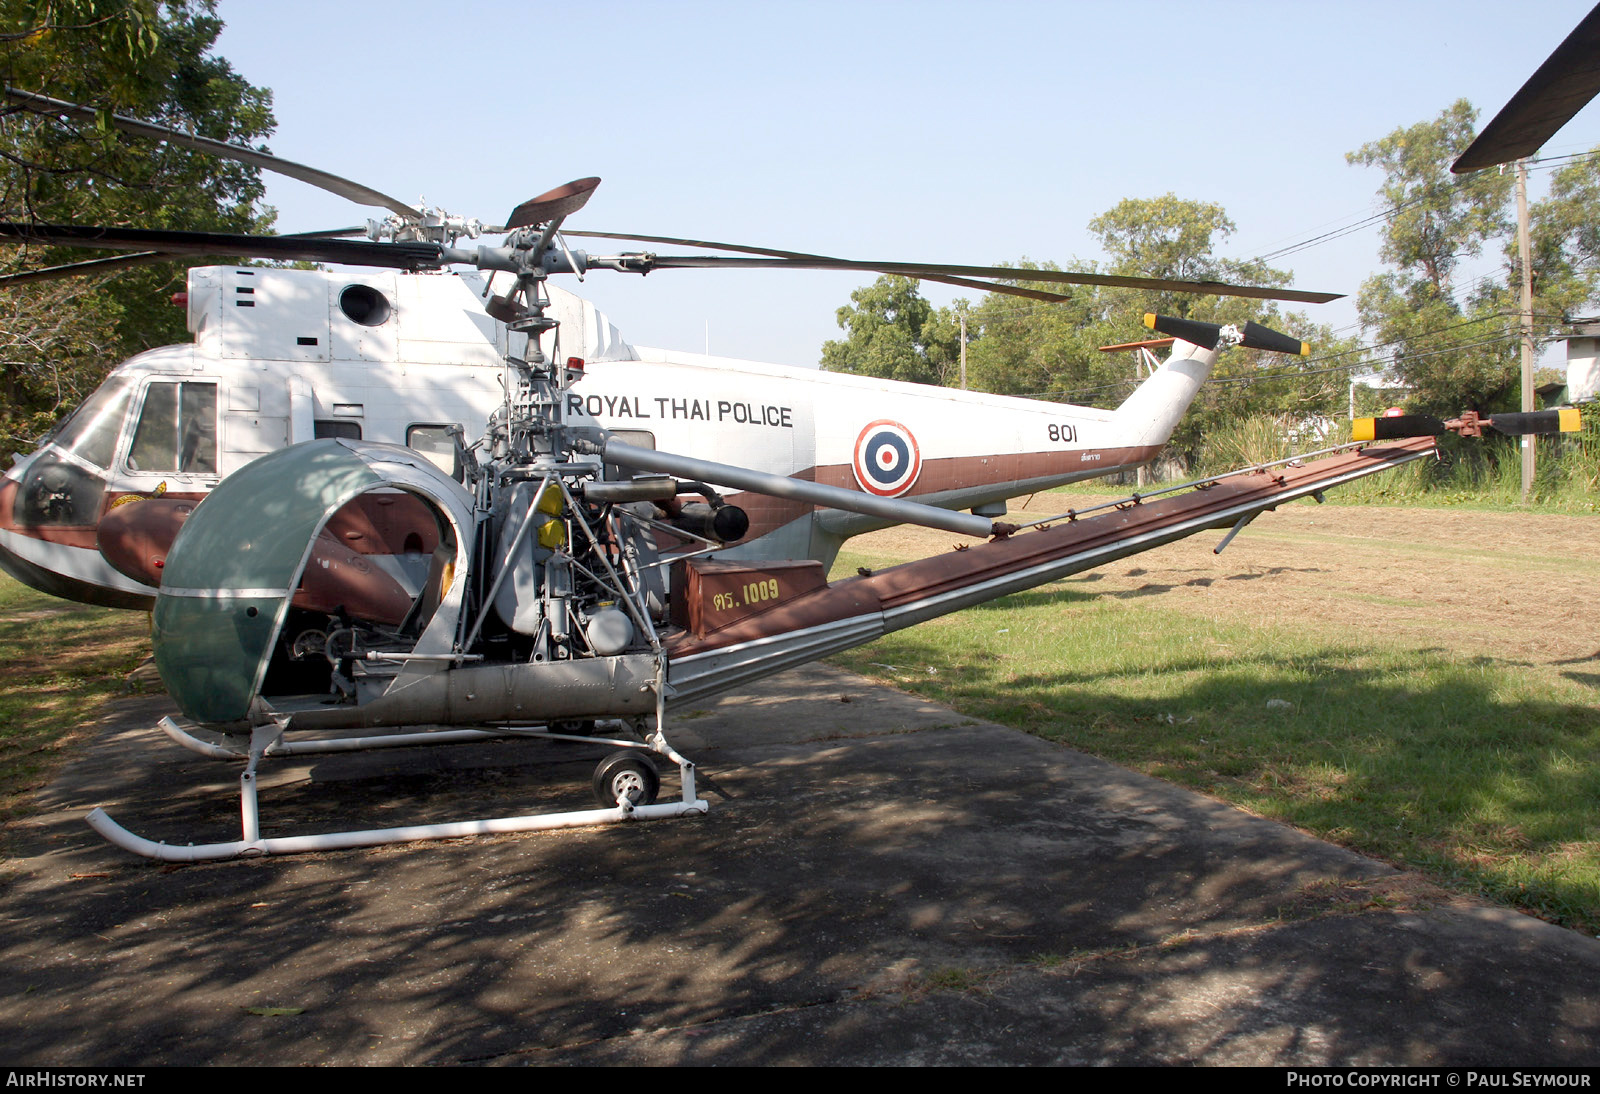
point(433, 512)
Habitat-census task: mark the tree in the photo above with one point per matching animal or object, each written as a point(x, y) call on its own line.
point(895, 334)
point(51, 354)
point(1020, 347)
point(141, 57)
point(1565, 233)
point(1052, 350)
point(1447, 343)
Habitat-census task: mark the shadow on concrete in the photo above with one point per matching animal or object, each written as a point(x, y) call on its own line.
point(880, 880)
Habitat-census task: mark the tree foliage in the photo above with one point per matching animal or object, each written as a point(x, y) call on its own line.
point(895, 334)
point(1435, 219)
point(1053, 350)
point(141, 57)
point(1455, 344)
point(1445, 341)
point(1565, 231)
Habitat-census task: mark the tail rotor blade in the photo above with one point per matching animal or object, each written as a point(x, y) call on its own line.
point(1469, 424)
point(1265, 338)
point(1204, 335)
point(1396, 428)
point(1537, 422)
point(1208, 335)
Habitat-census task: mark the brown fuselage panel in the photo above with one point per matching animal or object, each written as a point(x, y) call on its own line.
point(709, 594)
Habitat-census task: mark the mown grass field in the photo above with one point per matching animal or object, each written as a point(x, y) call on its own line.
point(61, 663)
point(1417, 684)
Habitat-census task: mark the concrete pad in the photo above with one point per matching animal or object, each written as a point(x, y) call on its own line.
point(879, 881)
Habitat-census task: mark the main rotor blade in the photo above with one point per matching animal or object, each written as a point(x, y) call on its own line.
point(140, 258)
point(432, 256)
point(961, 282)
point(81, 269)
point(563, 201)
point(1561, 87)
point(933, 272)
point(674, 241)
point(334, 184)
point(400, 256)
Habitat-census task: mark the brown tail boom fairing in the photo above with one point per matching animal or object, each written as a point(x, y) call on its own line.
point(850, 612)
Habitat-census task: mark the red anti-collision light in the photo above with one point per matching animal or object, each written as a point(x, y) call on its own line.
point(181, 299)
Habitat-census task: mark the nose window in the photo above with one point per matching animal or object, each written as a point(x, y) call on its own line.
point(56, 492)
point(91, 432)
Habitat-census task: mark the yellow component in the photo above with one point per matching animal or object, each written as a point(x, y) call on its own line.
point(447, 574)
point(552, 534)
point(1571, 421)
point(1150, 319)
point(550, 501)
point(1362, 429)
point(1305, 349)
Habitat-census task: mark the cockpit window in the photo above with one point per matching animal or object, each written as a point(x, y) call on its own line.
point(177, 429)
point(438, 443)
point(337, 428)
point(91, 432)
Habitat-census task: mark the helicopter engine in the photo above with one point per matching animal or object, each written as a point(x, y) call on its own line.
point(540, 602)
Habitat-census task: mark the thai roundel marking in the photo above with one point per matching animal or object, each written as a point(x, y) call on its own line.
point(887, 460)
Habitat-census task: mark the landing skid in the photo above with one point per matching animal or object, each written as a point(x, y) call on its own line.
point(628, 773)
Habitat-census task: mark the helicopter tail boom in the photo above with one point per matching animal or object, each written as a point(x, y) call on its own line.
point(858, 610)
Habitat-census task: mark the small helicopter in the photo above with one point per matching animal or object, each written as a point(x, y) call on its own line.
point(565, 574)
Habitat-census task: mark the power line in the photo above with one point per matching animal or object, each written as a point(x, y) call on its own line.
point(1551, 164)
point(1456, 292)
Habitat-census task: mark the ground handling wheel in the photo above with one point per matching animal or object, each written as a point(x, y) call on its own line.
point(630, 774)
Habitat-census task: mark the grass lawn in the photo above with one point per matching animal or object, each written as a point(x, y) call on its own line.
point(63, 661)
point(1418, 685)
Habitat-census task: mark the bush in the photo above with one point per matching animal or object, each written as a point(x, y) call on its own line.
point(1470, 470)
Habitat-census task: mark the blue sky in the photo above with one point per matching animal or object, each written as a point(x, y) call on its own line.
point(952, 132)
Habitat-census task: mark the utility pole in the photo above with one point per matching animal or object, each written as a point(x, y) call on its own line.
point(1525, 254)
point(963, 315)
